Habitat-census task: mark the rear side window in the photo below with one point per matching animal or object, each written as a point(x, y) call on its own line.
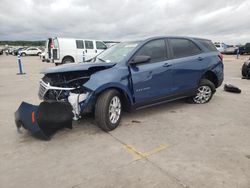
point(208, 44)
point(155, 49)
point(184, 48)
point(100, 45)
point(89, 44)
point(79, 44)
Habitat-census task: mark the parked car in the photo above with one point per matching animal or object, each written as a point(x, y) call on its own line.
point(132, 75)
point(16, 50)
point(231, 49)
point(68, 50)
point(226, 49)
point(31, 51)
point(221, 47)
point(244, 49)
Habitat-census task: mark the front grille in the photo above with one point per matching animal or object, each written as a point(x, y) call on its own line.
point(42, 90)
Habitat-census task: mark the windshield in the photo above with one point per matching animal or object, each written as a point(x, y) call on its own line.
point(117, 52)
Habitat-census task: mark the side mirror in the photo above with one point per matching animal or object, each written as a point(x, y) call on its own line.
point(140, 59)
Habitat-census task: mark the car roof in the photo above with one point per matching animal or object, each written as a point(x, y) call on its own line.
point(178, 36)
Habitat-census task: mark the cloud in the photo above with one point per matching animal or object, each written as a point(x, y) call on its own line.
point(224, 20)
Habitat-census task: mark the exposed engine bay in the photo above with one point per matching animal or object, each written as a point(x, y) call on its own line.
point(65, 87)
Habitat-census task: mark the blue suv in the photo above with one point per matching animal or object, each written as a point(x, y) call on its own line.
point(132, 75)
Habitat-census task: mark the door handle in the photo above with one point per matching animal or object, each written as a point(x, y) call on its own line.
point(166, 65)
point(95, 51)
point(200, 58)
point(86, 51)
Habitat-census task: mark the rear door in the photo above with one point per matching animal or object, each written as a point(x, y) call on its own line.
point(89, 49)
point(80, 51)
point(55, 51)
point(188, 64)
point(153, 79)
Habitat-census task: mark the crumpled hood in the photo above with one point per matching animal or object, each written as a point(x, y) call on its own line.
point(71, 67)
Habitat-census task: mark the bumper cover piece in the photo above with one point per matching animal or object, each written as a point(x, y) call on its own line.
point(232, 88)
point(44, 120)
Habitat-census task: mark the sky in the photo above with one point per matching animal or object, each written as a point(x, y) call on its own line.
point(219, 20)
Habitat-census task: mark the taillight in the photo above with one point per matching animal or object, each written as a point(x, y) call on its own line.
point(220, 56)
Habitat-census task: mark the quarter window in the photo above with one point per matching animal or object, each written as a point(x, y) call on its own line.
point(155, 49)
point(100, 45)
point(184, 48)
point(89, 45)
point(79, 44)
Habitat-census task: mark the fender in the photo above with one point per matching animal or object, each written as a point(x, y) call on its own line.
point(111, 78)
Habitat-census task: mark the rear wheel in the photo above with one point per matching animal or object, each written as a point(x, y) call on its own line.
point(204, 92)
point(23, 54)
point(67, 60)
point(108, 110)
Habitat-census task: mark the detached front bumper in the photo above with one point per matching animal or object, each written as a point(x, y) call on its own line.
point(44, 120)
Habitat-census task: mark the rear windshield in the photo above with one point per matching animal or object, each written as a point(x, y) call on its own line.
point(208, 44)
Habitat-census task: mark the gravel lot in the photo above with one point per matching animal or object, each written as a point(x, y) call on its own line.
point(172, 145)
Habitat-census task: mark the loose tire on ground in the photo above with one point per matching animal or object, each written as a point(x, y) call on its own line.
point(204, 93)
point(103, 108)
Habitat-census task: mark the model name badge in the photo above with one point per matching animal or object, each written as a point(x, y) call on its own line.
point(143, 89)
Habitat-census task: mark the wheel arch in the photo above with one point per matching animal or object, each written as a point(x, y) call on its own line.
point(127, 100)
point(68, 56)
point(211, 76)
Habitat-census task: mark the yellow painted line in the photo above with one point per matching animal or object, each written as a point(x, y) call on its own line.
point(158, 149)
point(139, 155)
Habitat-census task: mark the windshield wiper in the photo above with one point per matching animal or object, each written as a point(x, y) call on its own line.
point(102, 60)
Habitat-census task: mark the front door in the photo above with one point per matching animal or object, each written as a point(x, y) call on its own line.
point(153, 79)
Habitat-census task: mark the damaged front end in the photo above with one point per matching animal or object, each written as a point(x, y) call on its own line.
point(64, 99)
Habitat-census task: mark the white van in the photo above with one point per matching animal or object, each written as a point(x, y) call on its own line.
point(69, 50)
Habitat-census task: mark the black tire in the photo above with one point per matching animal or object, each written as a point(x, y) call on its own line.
point(209, 86)
point(38, 53)
point(23, 54)
point(67, 60)
point(102, 110)
point(245, 71)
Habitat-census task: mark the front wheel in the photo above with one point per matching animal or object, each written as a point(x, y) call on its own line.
point(108, 110)
point(204, 92)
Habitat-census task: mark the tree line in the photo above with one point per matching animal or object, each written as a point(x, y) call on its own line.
point(23, 43)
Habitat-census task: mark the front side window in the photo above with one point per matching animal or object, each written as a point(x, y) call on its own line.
point(89, 44)
point(184, 48)
point(79, 44)
point(155, 49)
point(100, 45)
point(30, 49)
